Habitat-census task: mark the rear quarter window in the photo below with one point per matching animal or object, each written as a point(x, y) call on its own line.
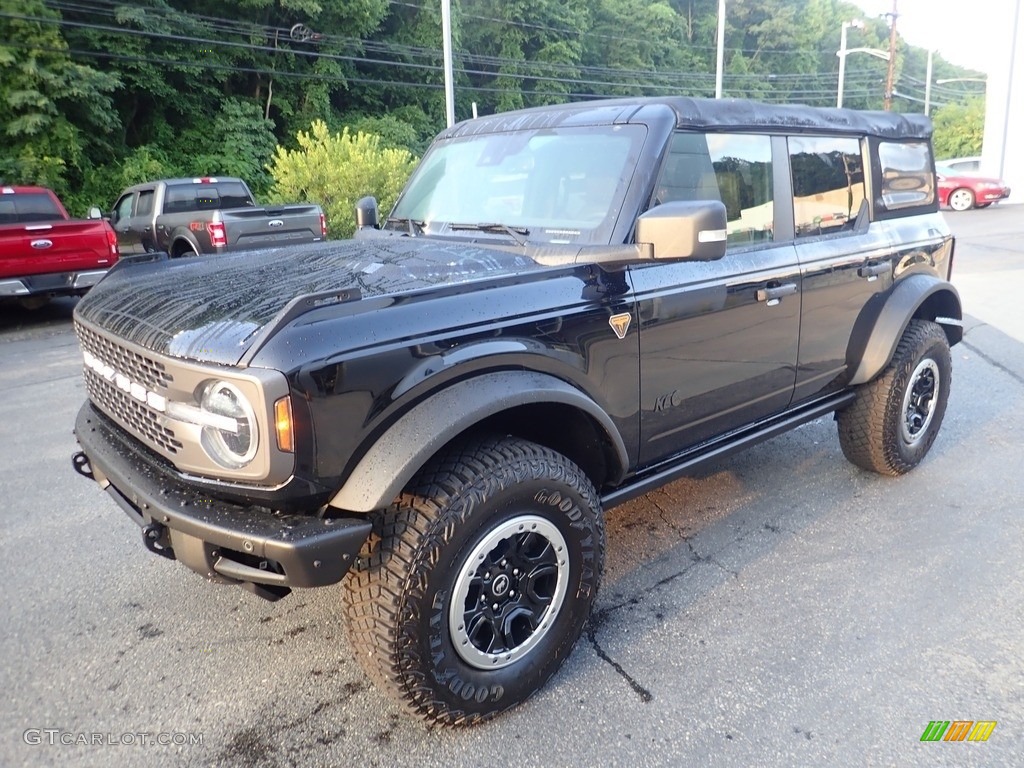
point(907, 178)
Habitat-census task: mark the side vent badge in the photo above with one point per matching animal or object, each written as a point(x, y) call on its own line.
point(620, 324)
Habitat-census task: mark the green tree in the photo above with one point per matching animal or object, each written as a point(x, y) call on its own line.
point(959, 129)
point(335, 170)
point(52, 107)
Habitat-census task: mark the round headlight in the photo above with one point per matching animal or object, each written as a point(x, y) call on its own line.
point(233, 442)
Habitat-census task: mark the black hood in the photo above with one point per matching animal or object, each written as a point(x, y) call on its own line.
point(212, 308)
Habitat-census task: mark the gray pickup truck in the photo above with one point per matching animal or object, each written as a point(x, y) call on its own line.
point(187, 217)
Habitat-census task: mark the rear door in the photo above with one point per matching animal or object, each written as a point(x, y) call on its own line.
point(844, 259)
point(719, 339)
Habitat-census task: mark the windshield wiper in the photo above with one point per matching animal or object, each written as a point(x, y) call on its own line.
point(413, 226)
point(518, 234)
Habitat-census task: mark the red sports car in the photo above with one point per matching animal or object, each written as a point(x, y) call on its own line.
point(961, 191)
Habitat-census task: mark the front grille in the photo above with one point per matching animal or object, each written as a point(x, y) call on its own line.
point(133, 414)
point(148, 372)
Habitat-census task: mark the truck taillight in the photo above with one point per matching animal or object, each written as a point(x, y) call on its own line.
point(218, 238)
point(323, 225)
point(112, 242)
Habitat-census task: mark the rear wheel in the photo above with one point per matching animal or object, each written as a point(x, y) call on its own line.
point(894, 420)
point(183, 249)
point(961, 199)
point(476, 583)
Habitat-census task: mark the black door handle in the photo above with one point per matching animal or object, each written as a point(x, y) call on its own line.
point(874, 271)
point(774, 294)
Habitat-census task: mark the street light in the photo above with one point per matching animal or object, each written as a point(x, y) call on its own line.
point(844, 52)
point(943, 81)
point(842, 55)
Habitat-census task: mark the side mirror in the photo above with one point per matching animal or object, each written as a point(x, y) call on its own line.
point(95, 213)
point(366, 213)
point(682, 229)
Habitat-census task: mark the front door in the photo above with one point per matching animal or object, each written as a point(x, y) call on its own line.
point(128, 241)
point(719, 339)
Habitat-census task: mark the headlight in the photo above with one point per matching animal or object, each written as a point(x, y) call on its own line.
point(231, 439)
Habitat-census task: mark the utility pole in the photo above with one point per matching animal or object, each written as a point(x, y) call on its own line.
point(928, 84)
point(446, 44)
point(721, 49)
point(890, 78)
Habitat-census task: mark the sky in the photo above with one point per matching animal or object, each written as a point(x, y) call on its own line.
point(971, 33)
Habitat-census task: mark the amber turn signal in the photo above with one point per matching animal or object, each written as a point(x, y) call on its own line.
point(283, 425)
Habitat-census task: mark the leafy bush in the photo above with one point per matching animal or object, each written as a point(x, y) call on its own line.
point(959, 129)
point(335, 170)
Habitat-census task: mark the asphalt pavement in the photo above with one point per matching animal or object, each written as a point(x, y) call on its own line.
point(781, 608)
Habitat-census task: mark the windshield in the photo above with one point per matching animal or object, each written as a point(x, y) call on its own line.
point(552, 185)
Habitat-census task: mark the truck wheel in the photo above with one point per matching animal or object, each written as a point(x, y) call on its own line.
point(183, 249)
point(477, 581)
point(894, 419)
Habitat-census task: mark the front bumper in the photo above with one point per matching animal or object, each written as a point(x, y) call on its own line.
point(993, 195)
point(225, 542)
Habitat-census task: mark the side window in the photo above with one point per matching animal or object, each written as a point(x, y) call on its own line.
point(123, 209)
point(907, 179)
point(733, 168)
point(145, 204)
point(828, 183)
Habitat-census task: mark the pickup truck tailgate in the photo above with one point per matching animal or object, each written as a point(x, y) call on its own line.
point(59, 246)
point(263, 227)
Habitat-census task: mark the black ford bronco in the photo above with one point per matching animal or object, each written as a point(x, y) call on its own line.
point(568, 307)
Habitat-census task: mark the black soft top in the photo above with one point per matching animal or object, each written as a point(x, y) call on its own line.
point(733, 115)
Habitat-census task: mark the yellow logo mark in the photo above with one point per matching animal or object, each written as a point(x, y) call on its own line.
point(982, 730)
point(620, 324)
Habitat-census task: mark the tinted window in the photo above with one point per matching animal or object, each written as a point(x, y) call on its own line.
point(28, 208)
point(828, 183)
point(233, 194)
point(733, 168)
point(907, 178)
point(186, 198)
point(145, 205)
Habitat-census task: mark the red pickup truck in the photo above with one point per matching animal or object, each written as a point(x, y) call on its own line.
point(44, 252)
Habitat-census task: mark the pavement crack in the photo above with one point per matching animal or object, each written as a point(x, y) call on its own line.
point(645, 695)
point(993, 362)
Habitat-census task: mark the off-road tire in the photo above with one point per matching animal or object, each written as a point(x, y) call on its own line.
point(400, 594)
point(874, 430)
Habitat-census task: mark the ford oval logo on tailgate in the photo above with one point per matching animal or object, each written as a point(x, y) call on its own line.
point(275, 223)
point(40, 244)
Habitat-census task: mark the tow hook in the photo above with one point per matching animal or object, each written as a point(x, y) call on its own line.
point(155, 539)
point(81, 464)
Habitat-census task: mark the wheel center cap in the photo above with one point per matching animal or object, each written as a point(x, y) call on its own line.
point(500, 585)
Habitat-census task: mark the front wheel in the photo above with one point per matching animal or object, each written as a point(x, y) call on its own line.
point(476, 583)
point(894, 419)
point(961, 199)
